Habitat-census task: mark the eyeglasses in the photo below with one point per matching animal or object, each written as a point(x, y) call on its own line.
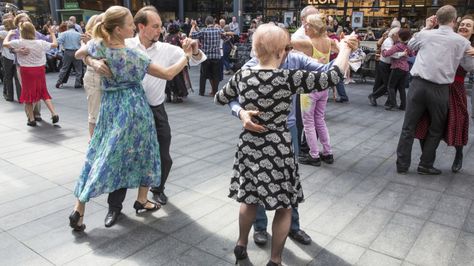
point(288, 47)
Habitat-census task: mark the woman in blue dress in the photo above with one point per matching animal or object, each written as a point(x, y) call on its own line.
point(123, 152)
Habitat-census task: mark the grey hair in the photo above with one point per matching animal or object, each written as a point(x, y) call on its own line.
point(308, 11)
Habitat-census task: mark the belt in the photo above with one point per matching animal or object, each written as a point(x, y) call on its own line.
point(71, 49)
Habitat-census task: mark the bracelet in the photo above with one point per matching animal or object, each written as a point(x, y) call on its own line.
point(196, 53)
point(187, 57)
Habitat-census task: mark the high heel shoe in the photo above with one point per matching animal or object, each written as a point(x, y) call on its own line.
point(139, 206)
point(74, 220)
point(271, 263)
point(55, 119)
point(457, 164)
point(240, 253)
point(31, 123)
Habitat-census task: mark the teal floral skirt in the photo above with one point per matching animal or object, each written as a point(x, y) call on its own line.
point(124, 150)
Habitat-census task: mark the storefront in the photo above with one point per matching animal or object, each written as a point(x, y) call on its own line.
point(38, 10)
point(368, 13)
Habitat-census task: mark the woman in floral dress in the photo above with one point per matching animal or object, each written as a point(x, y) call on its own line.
point(265, 172)
point(123, 152)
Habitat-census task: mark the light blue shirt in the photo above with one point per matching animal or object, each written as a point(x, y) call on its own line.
point(292, 61)
point(70, 40)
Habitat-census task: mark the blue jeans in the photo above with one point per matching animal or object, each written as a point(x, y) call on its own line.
point(261, 220)
point(341, 91)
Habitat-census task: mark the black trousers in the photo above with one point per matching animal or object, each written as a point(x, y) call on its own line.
point(423, 96)
point(396, 83)
point(382, 76)
point(163, 131)
point(10, 79)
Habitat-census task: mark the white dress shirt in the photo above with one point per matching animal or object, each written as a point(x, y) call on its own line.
point(165, 55)
point(299, 34)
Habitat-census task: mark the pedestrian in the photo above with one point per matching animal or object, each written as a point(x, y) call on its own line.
point(70, 40)
point(432, 73)
point(149, 24)
point(125, 130)
point(313, 105)
point(10, 77)
point(92, 83)
point(210, 38)
point(268, 175)
point(32, 69)
point(457, 123)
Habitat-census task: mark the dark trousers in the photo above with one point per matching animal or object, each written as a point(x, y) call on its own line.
point(116, 198)
point(163, 131)
point(69, 60)
point(423, 96)
point(382, 76)
point(396, 83)
point(261, 220)
point(341, 91)
point(304, 148)
point(10, 78)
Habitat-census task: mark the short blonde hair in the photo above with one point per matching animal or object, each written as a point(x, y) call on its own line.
point(269, 40)
point(113, 17)
point(27, 31)
point(317, 22)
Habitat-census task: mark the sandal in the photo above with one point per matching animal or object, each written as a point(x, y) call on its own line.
point(139, 206)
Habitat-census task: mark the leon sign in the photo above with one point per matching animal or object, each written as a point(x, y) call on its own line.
point(322, 2)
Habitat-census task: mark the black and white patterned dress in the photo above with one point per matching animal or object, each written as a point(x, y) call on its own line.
point(265, 171)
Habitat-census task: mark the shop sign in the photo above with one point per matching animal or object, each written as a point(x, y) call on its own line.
point(322, 2)
point(71, 5)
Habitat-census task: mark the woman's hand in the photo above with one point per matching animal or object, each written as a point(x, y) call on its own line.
point(187, 46)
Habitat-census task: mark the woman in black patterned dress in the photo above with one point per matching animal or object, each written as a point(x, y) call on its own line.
point(265, 172)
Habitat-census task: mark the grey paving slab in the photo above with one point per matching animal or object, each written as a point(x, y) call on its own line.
point(373, 258)
point(464, 250)
point(365, 227)
point(434, 245)
point(339, 253)
point(398, 236)
point(358, 211)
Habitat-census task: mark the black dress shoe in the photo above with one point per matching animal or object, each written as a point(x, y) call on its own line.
point(372, 100)
point(341, 100)
point(111, 218)
point(31, 123)
point(260, 237)
point(38, 118)
point(329, 159)
point(58, 85)
point(428, 170)
point(402, 171)
point(457, 164)
point(310, 160)
point(300, 236)
point(159, 196)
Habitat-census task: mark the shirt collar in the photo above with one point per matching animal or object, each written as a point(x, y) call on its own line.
point(446, 27)
point(137, 44)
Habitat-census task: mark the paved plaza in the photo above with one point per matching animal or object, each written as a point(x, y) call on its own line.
point(358, 211)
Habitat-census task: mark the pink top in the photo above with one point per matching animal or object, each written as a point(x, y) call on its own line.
point(402, 62)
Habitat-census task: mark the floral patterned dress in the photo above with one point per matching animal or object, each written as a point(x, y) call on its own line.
point(124, 151)
point(265, 171)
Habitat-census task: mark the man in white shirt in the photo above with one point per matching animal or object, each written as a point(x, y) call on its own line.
point(300, 33)
point(234, 26)
point(149, 24)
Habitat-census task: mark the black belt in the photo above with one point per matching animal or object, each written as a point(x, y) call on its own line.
point(71, 50)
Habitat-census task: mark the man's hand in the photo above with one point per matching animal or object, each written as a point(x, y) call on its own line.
point(86, 37)
point(100, 66)
point(246, 118)
point(23, 51)
point(470, 51)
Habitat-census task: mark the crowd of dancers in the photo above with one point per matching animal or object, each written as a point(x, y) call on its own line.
point(280, 95)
